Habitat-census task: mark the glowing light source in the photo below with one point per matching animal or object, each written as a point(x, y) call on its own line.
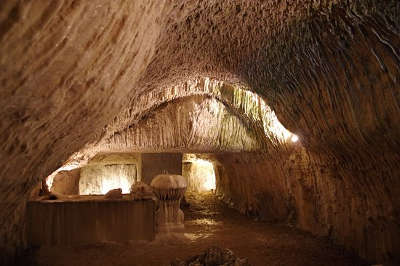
point(207, 174)
point(210, 181)
point(199, 173)
point(294, 138)
point(204, 174)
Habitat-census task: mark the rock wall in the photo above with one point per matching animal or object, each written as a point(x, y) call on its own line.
point(77, 75)
point(59, 87)
point(108, 171)
point(99, 179)
point(159, 163)
point(66, 182)
point(356, 207)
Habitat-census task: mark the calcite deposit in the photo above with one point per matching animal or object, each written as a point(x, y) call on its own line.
point(169, 190)
point(82, 77)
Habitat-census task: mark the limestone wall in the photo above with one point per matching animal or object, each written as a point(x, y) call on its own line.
point(357, 207)
point(99, 179)
point(110, 171)
point(158, 163)
point(67, 182)
point(76, 75)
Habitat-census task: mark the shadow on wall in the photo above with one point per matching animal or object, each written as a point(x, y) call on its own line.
point(159, 163)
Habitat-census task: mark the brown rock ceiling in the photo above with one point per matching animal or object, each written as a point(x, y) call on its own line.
point(75, 75)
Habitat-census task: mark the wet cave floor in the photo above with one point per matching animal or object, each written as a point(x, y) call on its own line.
point(208, 222)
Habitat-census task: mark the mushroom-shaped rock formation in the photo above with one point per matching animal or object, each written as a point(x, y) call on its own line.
point(169, 189)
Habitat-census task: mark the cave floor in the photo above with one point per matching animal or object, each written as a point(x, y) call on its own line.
point(208, 222)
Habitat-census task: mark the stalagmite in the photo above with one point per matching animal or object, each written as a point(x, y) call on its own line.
point(169, 190)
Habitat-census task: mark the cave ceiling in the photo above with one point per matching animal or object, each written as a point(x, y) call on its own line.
point(78, 76)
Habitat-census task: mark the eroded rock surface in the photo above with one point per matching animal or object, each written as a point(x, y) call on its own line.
point(77, 75)
point(169, 190)
point(350, 204)
point(66, 182)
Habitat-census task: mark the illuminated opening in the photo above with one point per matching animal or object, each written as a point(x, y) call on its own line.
point(207, 174)
point(199, 174)
point(294, 138)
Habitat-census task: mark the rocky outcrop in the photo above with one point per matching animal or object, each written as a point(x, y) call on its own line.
point(66, 182)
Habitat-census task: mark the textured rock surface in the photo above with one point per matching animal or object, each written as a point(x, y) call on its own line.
point(154, 164)
point(169, 190)
point(83, 72)
point(108, 171)
point(66, 182)
point(198, 124)
point(99, 179)
point(353, 205)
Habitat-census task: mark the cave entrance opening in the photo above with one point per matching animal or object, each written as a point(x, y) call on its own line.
point(199, 173)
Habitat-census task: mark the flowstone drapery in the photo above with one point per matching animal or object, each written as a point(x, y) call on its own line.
point(169, 190)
